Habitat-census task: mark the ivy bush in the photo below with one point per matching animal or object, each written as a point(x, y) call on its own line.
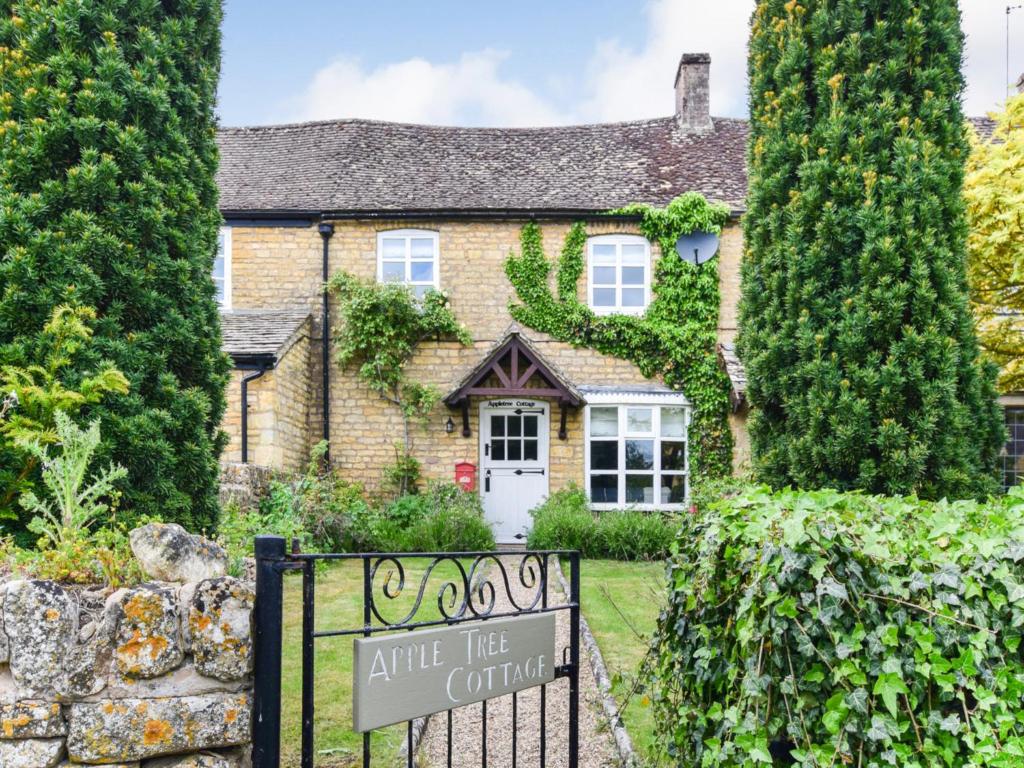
point(675, 339)
point(829, 629)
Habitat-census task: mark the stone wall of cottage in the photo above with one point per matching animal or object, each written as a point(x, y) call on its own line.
point(277, 268)
point(144, 677)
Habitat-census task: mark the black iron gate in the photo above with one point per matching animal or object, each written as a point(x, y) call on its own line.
point(473, 596)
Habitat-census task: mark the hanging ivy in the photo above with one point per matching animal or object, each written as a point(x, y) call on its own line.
point(675, 339)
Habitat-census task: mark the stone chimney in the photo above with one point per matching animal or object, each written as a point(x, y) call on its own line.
point(693, 93)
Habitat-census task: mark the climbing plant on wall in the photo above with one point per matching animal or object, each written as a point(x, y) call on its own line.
point(674, 339)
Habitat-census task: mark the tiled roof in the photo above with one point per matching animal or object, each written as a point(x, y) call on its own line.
point(734, 370)
point(371, 167)
point(262, 333)
point(349, 166)
point(983, 125)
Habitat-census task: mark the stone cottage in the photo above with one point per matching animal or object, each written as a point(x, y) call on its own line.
point(442, 207)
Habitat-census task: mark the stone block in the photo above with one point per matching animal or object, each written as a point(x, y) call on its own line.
point(220, 626)
point(41, 621)
point(167, 552)
point(31, 720)
point(148, 642)
point(31, 753)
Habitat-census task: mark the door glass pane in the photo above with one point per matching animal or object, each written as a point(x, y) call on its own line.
point(604, 275)
point(529, 450)
point(673, 489)
point(673, 455)
point(632, 297)
point(632, 275)
point(639, 454)
point(639, 489)
point(604, 454)
point(604, 297)
point(530, 426)
point(497, 426)
point(393, 271)
point(604, 489)
point(423, 271)
point(515, 452)
point(515, 426)
point(604, 422)
point(393, 248)
point(673, 422)
point(498, 450)
point(422, 248)
point(638, 421)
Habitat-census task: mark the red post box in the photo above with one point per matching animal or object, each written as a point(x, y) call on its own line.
point(465, 475)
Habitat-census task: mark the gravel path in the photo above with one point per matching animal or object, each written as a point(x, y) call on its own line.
point(596, 746)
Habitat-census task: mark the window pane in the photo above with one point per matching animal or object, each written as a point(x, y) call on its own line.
point(673, 489)
point(497, 426)
point(530, 426)
point(393, 271)
point(604, 489)
point(529, 450)
point(515, 452)
point(498, 450)
point(220, 243)
point(218, 268)
point(632, 297)
point(673, 422)
point(423, 271)
point(639, 454)
point(604, 275)
point(219, 290)
point(604, 454)
point(633, 275)
point(634, 254)
point(602, 253)
point(419, 291)
point(392, 248)
point(604, 422)
point(423, 248)
point(638, 421)
point(604, 297)
point(515, 426)
point(673, 456)
point(639, 489)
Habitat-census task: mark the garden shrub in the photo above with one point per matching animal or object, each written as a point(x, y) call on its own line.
point(828, 629)
point(565, 521)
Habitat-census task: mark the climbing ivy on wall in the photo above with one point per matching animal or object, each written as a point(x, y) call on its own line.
point(674, 339)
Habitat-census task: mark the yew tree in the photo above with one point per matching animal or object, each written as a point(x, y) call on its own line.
point(108, 201)
point(860, 348)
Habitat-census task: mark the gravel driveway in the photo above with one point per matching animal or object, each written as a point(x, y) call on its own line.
point(596, 746)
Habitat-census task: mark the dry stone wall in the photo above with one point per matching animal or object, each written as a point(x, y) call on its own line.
point(158, 675)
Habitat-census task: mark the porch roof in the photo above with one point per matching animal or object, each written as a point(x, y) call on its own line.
point(260, 337)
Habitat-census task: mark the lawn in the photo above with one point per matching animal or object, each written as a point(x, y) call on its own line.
point(621, 602)
point(618, 598)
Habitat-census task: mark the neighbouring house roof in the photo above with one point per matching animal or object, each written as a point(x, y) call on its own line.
point(737, 374)
point(365, 166)
point(514, 361)
point(261, 336)
point(984, 126)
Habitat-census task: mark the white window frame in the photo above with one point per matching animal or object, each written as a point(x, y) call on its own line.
point(408, 235)
point(225, 232)
point(655, 402)
point(618, 241)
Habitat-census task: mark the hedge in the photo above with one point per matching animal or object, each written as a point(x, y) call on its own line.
point(829, 629)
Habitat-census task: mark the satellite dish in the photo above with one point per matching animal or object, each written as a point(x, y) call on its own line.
point(697, 247)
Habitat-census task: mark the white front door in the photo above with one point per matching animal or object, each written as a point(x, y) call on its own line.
point(513, 463)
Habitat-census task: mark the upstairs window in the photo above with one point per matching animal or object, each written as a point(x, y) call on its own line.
point(619, 275)
point(222, 268)
point(408, 256)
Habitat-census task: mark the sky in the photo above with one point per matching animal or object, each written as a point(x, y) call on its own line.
point(518, 63)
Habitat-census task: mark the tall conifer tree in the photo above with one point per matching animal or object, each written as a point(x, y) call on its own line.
point(108, 200)
point(855, 329)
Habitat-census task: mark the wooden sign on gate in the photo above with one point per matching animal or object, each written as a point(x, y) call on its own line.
point(403, 676)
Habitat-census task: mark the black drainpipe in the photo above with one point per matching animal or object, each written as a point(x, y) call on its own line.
point(245, 409)
point(326, 230)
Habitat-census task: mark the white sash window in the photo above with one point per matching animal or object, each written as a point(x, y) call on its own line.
point(410, 257)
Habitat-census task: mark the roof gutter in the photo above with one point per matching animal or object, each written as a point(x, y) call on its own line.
point(304, 218)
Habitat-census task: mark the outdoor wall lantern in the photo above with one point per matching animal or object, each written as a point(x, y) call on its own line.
point(449, 426)
point(697, 247)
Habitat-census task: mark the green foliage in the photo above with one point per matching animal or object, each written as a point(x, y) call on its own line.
point(830, 628)
point(36, 392)
point(565, 521)
point(859, 345)
point(994, 191)
point(108, 199)
point(674, 339)
point(380, 326)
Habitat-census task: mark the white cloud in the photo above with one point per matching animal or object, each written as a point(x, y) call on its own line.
point(620, 82)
